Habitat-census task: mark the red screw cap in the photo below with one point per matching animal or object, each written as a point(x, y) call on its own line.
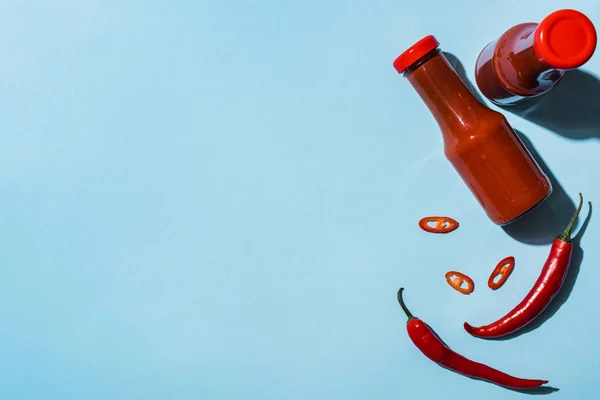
point(415, 52)
point(565, 39)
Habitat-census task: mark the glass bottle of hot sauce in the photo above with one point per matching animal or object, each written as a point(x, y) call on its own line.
point(530, 59)
point(478, 142)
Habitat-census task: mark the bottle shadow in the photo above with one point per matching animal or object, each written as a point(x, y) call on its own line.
point(540, 225)
point(543, 223)
point(571, 108)
point(567, 288)
point(460, 70)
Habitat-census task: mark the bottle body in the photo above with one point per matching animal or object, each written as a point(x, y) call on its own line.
point(529, 59)
point(499, 171)
point(479, 143)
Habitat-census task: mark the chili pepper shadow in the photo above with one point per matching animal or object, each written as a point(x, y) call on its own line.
point(537, 390)
point(570, 109)
point(567, 288)
point(542, 224)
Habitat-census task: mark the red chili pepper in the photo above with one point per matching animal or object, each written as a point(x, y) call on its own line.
point(503, 269)
point(456, 280)
point(545, 288)
point(438, 224)
point(427, 341)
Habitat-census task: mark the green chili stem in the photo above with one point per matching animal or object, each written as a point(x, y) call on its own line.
point(401, 301)
point(566, 235)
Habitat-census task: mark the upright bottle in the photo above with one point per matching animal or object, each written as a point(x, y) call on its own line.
point(478, 141)
point(530, 59)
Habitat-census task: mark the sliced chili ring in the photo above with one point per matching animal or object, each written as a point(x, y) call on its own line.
point(458, 279)
point(438, 224)
point(504, 268)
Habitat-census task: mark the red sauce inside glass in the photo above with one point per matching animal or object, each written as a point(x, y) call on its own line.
point(478, 142)
point(530, 59)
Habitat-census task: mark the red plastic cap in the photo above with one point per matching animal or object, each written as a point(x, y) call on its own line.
point(565, 39)
point(415, 52)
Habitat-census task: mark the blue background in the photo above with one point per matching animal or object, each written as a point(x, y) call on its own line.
point(219, 200)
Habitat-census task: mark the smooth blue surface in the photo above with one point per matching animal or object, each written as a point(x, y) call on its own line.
point(218, 200)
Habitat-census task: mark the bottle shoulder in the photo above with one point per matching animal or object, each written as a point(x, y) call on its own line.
point(517, 65)
point(488, 122)
point(475, 116)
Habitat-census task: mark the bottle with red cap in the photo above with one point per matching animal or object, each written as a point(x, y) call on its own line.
point(530, 59)
point(478, 141)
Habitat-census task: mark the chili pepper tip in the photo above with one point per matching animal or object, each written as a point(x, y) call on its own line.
point(469, 328)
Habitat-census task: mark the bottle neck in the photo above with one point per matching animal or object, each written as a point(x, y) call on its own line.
point(524, 72)
point(454, 107)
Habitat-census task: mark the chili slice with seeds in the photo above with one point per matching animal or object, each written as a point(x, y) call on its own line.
point(503, 270)
point(456, 280)
point(438, 224)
